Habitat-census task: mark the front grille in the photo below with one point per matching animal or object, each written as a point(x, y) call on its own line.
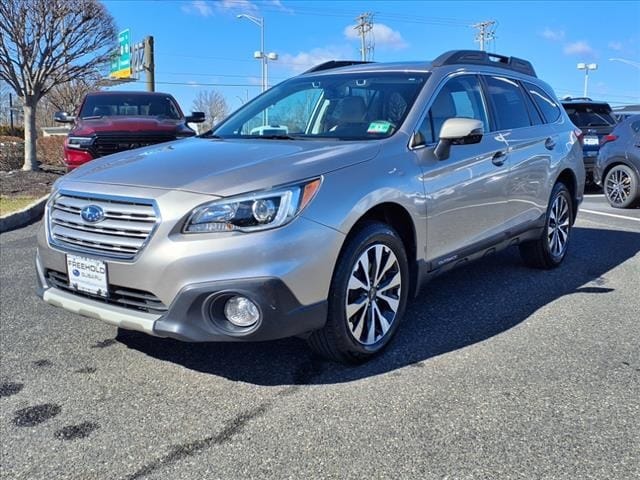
point(107, 144)
point(119, 296)
point(126, 227)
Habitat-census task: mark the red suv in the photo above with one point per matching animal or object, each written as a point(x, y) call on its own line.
point(111, 122)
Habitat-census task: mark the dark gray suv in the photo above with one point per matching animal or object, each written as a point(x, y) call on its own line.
point(596, 121)
point(618, 165)
point(321, 207)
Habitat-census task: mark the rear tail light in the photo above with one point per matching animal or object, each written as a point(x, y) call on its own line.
point(579, 136)
point(608, 138)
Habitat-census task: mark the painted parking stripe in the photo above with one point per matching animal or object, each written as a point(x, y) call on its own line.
point(610, 215)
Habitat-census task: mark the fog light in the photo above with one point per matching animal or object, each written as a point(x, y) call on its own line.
point(241, 311)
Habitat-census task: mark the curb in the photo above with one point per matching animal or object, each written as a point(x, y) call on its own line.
point(23, 217)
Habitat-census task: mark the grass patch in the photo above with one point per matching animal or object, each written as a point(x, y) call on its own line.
point(13, 204)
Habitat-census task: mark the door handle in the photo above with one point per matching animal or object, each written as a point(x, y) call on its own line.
point(549, 143)
point(498, 158)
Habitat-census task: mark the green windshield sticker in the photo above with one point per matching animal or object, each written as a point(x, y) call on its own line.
point(380, 127)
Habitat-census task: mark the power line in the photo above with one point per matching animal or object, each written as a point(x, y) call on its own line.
point(202, 74)
point(338, 12)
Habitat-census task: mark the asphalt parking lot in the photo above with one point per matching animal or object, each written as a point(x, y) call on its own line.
point(497, 372)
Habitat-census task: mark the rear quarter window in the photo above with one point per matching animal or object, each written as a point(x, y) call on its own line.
point(545, 102)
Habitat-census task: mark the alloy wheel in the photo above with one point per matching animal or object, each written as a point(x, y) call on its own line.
point(373, 294)
point(618, 186)
point(558, 226)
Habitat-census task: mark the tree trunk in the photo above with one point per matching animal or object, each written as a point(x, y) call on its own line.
point(30, 135)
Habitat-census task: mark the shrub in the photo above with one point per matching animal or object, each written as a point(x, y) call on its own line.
point(11, 153)
point(50, 150)
point(6, 130)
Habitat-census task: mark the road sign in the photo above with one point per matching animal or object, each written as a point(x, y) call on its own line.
point(121, 62)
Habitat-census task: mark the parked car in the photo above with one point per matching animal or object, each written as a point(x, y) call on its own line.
point(618, 165)
point(622, 113)
point(596, 121)
point(110, 121)
point(385, 176)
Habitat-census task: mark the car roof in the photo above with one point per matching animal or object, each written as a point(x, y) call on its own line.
point(583, 101)
point(128, 92)
point(415, 66)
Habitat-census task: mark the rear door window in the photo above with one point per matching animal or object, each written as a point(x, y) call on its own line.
point(509, 107)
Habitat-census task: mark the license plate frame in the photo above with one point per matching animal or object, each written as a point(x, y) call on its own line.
point(87, 275)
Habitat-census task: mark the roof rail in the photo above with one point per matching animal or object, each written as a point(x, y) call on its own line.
point(334, 64)
point(479, 57)
point(569, 98)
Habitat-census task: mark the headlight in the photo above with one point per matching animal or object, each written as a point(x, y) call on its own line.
point(79, 142)
point(252, 212)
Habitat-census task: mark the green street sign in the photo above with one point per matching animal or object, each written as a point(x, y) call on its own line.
point(121, 62)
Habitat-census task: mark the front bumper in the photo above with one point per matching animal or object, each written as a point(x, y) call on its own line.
point(194, 315)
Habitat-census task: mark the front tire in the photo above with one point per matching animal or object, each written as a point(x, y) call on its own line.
point(549, 250)
point(367, 297)
point(621, 187)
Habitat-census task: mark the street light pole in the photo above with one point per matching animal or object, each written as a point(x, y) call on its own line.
point(259, 21)
point(586, 67)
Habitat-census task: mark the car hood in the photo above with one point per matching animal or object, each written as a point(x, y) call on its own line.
point(126, 124)
point(223, 167)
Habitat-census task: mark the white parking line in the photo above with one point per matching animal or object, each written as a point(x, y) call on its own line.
point(593, 212)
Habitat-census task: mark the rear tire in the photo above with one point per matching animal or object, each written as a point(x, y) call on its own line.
point(367, 297)
point(621, 187)
point(549, 250)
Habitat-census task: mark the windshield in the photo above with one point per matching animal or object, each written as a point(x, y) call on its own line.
point(590, 115)
point(358, 106)
point(130, 105)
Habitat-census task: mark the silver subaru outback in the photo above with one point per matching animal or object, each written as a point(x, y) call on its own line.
point(321, 207)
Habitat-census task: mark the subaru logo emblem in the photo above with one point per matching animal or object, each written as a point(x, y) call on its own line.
point(92, 214)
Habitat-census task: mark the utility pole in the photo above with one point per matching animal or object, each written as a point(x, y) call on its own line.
point(11, 112)
point(485, 32)
point(364, 25)
point(149, 64)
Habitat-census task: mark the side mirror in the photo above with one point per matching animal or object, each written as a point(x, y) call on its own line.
point(63, 117)
point(195, 117)
point(458, 131)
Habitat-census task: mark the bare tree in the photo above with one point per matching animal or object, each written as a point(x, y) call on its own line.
point(68, 96)
point(65, 97)
point(4, 103)
point(44, 43)
point(214, 106)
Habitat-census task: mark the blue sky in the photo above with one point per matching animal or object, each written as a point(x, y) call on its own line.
point(201, 45)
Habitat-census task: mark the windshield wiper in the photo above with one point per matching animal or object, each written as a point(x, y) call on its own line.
point(208, 134)
point(280, 136)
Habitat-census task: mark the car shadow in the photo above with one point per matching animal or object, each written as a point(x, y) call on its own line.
point(460, 308)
